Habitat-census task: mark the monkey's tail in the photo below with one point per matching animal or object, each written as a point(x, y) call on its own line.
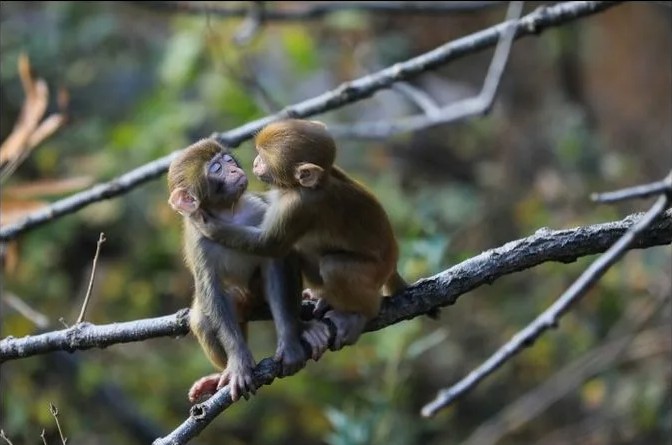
point(396, 284)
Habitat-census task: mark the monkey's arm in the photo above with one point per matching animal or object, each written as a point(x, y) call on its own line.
point(282, 289)
point(219, 320)
point(275, 238)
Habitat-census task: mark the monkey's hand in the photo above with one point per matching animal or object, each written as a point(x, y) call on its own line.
point(316, 334)
point(321, 305)
point(349, 326)
point(291, 356)
point(238, 375)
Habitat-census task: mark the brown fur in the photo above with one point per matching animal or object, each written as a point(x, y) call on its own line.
point(206, 183)
point(339, 227)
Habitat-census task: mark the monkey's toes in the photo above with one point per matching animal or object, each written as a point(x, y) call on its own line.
point(203, 387)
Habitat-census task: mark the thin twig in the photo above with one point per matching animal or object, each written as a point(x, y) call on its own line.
point(20, 306)
point(464, 109)
point(101, 240)
point(640, 191)
point(4, 436)
point(550, 317)
point(253, 21)
point(54, 412)
point(43, 436)
point(420, 98)
point(358, 89)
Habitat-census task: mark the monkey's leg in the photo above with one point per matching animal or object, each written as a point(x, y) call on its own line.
point(311, 271)
point(206, 334)
point(351, 287)
point(220, 307)
point(282, 280)
point(315, 333)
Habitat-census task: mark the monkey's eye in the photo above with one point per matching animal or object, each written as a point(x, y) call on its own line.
point(215, 167)
point(229, 159)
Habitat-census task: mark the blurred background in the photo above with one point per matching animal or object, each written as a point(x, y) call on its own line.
point(582, 108)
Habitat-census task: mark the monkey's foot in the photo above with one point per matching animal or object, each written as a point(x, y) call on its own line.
point(349, 326)
point(291, 356)
point(321, 305)
point(204, 387)
point(240, 378)
point(316, 334)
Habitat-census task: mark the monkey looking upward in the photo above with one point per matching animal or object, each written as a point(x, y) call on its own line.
point(339, 228)
point(206, 183)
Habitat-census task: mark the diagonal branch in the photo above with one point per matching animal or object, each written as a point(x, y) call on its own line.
point(358, 89)
point(627, 334)
point(551, 316)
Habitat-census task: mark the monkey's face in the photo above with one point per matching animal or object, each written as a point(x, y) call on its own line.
point(261, 170)
point(285, 147)
point(226, 181)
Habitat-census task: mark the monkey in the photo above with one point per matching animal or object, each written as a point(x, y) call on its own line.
point(206, 182)
point(341, 231)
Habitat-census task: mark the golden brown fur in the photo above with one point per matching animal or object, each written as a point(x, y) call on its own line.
point(340, 229)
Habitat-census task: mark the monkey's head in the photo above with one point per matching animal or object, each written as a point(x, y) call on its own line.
point(294, 152)
point(203, 177)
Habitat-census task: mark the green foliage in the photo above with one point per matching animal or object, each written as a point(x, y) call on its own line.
point(143, 84)
point(300, 48)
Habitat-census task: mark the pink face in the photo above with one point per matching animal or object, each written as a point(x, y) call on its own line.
point(260, 169)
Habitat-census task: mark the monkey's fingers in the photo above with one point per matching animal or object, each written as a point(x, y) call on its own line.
point(321, 308)
point(349, 326)
point(236, 388)
point(224, 379)
point(317, 336)
point(291, 357)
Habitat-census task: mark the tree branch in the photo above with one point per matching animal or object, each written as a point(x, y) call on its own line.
point(641, 191)
point(86, 336)
point(349, 92)
point(551, 316)
point(455, 112)
point(443, 289)
point(428, 293)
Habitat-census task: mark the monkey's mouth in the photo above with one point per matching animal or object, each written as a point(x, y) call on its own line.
point(241, 182)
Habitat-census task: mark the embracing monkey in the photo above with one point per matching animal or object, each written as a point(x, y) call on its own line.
point(341, 231)
point(207, 184)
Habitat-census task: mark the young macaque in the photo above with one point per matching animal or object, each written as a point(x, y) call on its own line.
point(341, 231)
point(206, 184)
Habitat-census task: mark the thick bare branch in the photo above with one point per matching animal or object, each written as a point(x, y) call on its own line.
point(533, 23)
point(440, 290)
point(444, 288)
point(86, 336)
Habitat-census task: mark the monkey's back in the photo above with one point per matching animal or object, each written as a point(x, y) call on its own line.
point(348, 218)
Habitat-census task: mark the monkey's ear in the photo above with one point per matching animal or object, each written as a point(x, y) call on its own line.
point(308, 175)
point(183, 202)
point(320, 123)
